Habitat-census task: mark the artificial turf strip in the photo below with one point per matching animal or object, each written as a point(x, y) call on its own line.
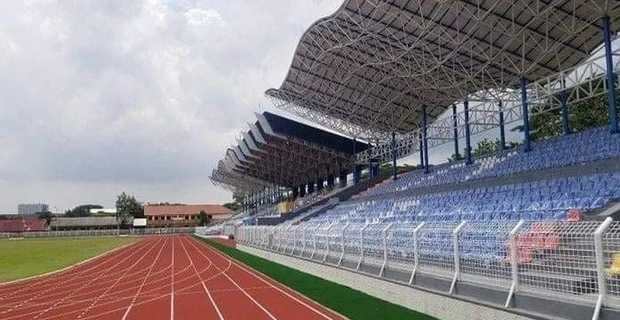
point(29, 257)
point(351, 303)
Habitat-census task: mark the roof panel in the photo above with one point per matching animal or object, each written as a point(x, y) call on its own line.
point(374, 64)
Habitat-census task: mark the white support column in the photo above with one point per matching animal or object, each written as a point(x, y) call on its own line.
point(305, 239)
point(294, 240)
point(314, 243)
point(359, 263)
point(287, 239)
point(600, 266)
point(416, 251)
point(327, 237)
point(457, 258)
point(385, 249)
point(514, 261)
point(342, 244)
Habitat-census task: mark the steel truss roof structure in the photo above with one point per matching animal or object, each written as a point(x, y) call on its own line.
point(279, 152)
point(370, 68)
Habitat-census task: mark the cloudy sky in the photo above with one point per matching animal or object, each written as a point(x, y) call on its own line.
point(103, 96)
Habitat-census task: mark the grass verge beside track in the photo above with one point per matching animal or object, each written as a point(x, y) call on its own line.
point(22, 258)
point(351, 303)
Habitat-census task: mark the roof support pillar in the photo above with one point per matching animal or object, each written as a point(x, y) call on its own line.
point(468, 159)
point(456, 132)
point(394, 171)
point(564, 112)
point(425, 138)
point(295, 192)
point(611, 77)
point(502, 126)
point(421, 149)
point(526, 116)
point(356, 175)
point(342, 178)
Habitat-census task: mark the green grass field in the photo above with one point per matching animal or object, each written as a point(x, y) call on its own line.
point(28, 257)
point(351, 303)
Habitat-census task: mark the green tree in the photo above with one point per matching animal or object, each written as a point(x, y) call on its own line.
point(584, 115)
point(455, 157)
point(237, 202)
point(205, 219)
point(46, 215)
point(126, 207)
point(82, 210)
point(485, 147)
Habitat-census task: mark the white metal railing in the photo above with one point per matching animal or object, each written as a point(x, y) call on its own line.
point(576, 261)
point(93, 233)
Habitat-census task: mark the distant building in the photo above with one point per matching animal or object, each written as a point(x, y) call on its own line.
point(32, 208)
point(103, 211)
point(161, 215)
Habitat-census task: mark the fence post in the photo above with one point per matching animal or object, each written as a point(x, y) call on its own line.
point(457, 258)
point(600, 266)
point(359, 263)
point(305, 239)
point(416, 251)
point(294, 239)
point(514, 261)
point(314, 243)
point(385, 249)
point(327, 237)
point(287, 232)
point(343, 243)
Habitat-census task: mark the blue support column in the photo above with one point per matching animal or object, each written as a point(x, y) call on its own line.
point(468, 159)
point(502, 127)
point(425, 139)
point(394, 171)
point(526, 116)
point(421, 147)
point(370, 162)
point(355, 175)
point(611, 77)
point(456, 131)
point(564, 110)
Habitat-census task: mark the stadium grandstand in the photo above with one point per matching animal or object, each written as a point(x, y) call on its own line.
point(22, 224)
point(530, 228)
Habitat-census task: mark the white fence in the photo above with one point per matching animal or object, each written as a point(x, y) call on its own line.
point(95, 233)
point(575, 261)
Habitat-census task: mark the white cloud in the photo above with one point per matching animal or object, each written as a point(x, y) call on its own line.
point(201, 17)
point(103, 96)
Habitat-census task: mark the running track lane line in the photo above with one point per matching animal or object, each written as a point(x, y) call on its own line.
point(268, 283)
point(135, 297)
point(172, 283)
point(118, 280)
point(45, 280)
point(202, 282)
point(73, 292)
point(36, 294)
point(240, 288)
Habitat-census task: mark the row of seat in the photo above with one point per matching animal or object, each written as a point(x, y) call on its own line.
point(587, 146)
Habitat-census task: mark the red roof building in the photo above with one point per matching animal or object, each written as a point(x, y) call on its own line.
point(182, 214)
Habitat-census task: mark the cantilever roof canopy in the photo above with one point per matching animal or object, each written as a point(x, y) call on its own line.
point(370, 67)
point(277, 151)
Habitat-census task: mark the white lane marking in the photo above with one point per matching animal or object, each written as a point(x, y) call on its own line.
point(89, 282)
point(275, 287)
point(172, 284)
point(135, 297)
point(118, 280)
point(219, 314)
point(239, 287)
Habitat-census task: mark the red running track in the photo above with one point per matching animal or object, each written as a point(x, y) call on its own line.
point(167, 277)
